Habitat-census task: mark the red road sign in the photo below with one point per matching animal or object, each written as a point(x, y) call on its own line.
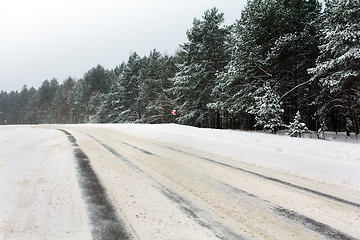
point(173, 112)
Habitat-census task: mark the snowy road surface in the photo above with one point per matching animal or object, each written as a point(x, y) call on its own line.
point(174, 182)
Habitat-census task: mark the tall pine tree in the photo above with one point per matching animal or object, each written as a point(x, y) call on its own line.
point(154, 89)
point(203, 57)
point(267, 109)
point(338, 65)
point(274, 42)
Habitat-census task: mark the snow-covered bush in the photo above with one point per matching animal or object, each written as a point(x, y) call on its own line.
point(321, 131)
point(267, 109)
point(297, 128)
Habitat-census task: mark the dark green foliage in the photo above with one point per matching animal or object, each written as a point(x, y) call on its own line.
point(89, 90)
point(202, 58)
point(274, 43)
point(337, 70)
point(45, 101)
point(140, 92)
point(280, 58)
point(154, 88)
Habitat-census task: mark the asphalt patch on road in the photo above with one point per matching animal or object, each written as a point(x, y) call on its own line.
point(105, 223)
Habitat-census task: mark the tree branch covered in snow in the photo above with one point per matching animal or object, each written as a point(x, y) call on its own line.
point(278, 59)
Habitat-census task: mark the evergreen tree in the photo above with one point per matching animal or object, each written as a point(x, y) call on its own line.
point(297, 128)
point(122, 103)
point(129, 91)
point(64, 101)
point(45, 101)
point(338, 66)
point(32, 110)
point(109, 109)
point(275, 42)
point(267, 109)
point(154, 88)
point(89, 92)
point(202, 57)
point(4, 98)
point(24, 104)
point(26, 109)
point(13, 104)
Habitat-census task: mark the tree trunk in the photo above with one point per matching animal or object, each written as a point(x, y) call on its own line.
point(356, 123)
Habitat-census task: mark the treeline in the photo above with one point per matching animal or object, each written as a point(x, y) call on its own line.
point(281, 59)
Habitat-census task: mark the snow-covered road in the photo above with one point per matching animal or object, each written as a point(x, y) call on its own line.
point(39, 193)
point(174, 182)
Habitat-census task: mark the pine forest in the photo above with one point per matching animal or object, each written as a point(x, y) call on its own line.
point(284, 64)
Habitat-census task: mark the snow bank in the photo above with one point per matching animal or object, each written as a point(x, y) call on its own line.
point(324, 161)
point(39, 196)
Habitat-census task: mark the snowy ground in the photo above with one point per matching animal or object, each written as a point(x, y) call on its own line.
point(332, 161)
point(39, 197)
point(160, 174)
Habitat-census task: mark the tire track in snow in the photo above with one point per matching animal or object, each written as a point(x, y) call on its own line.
point(219, 230)
point(309, 223)
point(140, 149)
point(291, 185)
point(318, 227)
point(105, 224)
point(321, 194)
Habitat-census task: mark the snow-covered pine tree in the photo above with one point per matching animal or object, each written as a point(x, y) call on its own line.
point(297, 128)
point(267, 109)
point(88, 91)
point(232, 94)
point(252, 38)
point(202, 57)
point(349, 124)
point(108, 111)
point(46, 95)
point(122, 103)
point(295, 50)
point(64, 100)
point(155, 81)
point(274, 41)
point(338, 65)
point(321, 131)
point(128, 107)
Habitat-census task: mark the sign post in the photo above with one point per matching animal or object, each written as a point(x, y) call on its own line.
point(173, 114)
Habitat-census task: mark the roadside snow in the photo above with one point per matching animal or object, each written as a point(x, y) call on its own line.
point(39, 193)
point(39, 197)
point(331, 162)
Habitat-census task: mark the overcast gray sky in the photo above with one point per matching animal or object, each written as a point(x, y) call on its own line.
point(43, 39)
